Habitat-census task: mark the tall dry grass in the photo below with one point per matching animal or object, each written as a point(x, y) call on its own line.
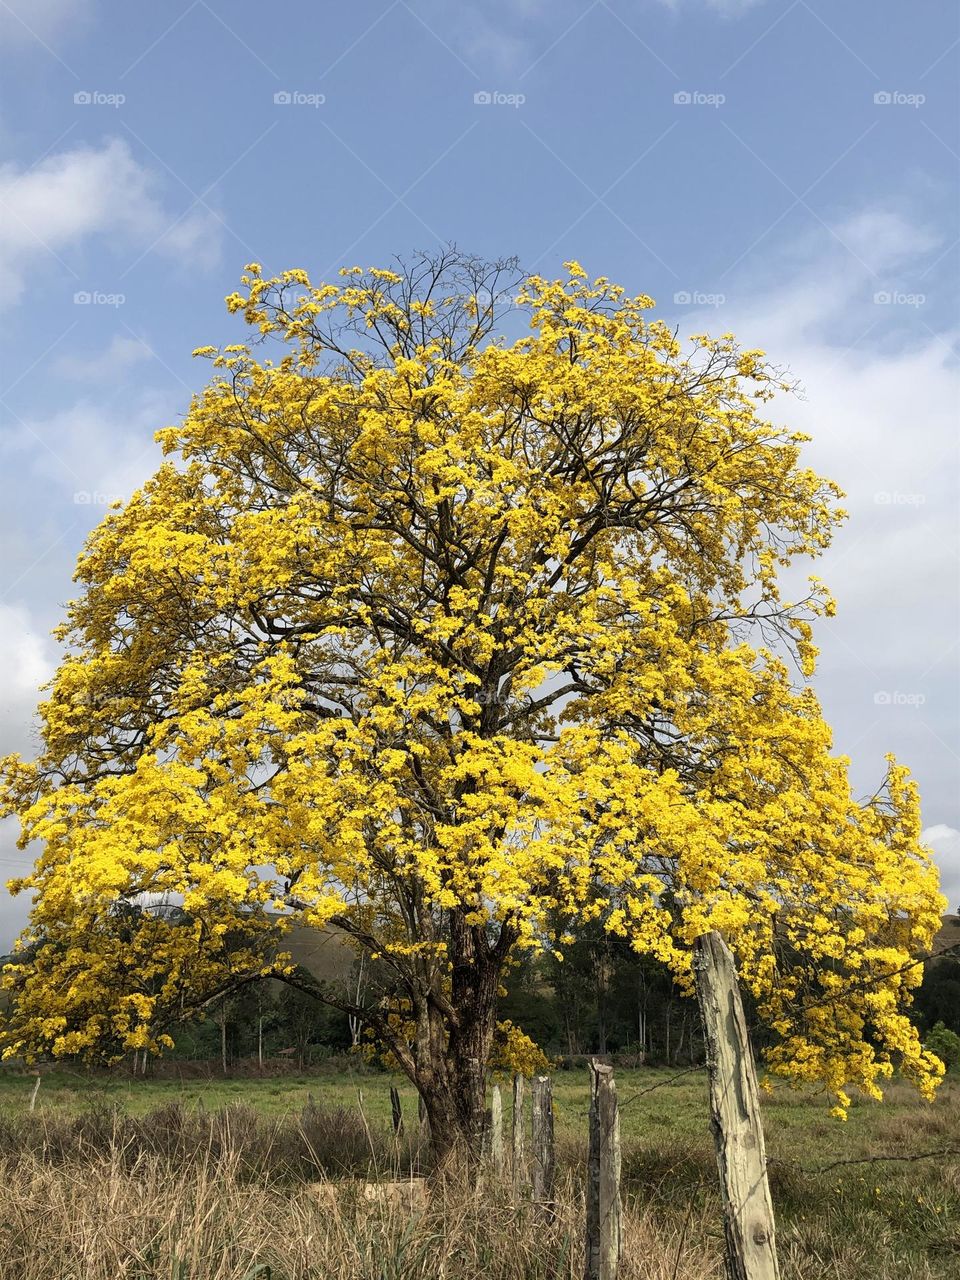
point(179, 1195)
point(147, 1220)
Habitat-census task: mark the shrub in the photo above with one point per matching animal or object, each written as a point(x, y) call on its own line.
point(945, 1044)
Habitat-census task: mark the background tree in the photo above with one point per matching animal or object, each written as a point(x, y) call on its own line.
point(95, 981)
point(440, 637)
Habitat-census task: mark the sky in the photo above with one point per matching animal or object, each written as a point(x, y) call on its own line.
point(786, 170)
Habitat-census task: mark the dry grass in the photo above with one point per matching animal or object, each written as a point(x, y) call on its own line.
point(107, 1220)
point(243, 1194)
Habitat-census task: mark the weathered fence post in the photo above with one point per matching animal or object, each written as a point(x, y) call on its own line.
point(396, 1113)
point(496, 1130)
point(603, 1244)
point(735, 1116)
point(543, 1153)
point(517, 1132)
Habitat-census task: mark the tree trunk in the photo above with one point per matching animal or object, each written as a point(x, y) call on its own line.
point(448, 1059)
point(223, 1035)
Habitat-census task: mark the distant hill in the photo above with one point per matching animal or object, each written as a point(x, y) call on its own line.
point(949, 935)
point(325, 953)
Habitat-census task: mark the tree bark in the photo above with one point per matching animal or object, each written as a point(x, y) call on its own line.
point(451, 1054)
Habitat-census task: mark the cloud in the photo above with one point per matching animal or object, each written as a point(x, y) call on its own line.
point(90, 453)
point(733, 8)
point(27, 22)
point(499, 35)
point(27, 659)
point(121, 354)
point(88, 193)
point(881, 385)
point(944, 841)
point(883, 238)
point(726, 8)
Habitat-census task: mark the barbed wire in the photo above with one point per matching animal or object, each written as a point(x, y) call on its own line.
point(939, 1153)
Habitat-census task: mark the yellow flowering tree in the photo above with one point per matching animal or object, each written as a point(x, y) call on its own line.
point(96, 982)
point(438, 636)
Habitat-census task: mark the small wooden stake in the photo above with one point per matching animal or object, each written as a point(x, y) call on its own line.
point(35, 1091)
point(735, 1116)
point(517, 1132)
point(603, 1245)
point(544, 1154)
point(396, 1113)
point(497, 1158)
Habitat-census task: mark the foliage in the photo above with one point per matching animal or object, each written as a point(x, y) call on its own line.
point(97, 983)
point(938, 998)
point(945, 1044)
point(514, 1053)
point(460, 644)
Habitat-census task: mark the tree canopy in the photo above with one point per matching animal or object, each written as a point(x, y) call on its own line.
point(459, 642)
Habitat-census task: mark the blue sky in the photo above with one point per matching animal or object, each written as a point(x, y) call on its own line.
point(789, 171)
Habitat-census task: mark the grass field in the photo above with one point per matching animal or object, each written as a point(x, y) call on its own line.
point(882, 1218)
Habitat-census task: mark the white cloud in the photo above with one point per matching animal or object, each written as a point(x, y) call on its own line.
point(26, 22)
point(733, 8)
point(726, 8)
point(884, 238)
point(27, 658)
point(881, 390)
point(90, 192)
point(121, 354)
point(944, 841)
point(90, 453)
point(499, 35)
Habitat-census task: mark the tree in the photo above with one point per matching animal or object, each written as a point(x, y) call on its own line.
point(945, 1044)
point(436, 637)
point(99, 981)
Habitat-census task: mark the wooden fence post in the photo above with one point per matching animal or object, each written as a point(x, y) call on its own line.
point(517, 1132)
point(395, 1111)
point(496, 1130)
point(543, 1153)
point(735, 1116)
point(603, 1245)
